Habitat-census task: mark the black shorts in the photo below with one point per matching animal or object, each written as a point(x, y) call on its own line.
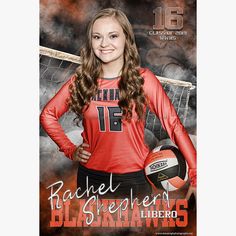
point(135, 180)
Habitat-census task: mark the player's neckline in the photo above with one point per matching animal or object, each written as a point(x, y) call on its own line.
point(110, 78)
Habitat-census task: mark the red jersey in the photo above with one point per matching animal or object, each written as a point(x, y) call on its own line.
point(116, 145)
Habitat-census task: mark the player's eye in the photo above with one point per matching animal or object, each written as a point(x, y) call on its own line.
point(113, 36)
point(96, 37)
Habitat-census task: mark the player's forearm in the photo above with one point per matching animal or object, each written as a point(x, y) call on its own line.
point(185, 145)
point(54, 130)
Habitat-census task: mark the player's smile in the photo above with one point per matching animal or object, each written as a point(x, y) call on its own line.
point(103, 51)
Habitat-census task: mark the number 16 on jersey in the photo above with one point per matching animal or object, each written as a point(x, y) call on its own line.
point(113, 118)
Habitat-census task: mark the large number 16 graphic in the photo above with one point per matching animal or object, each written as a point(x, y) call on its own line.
point(115, 123)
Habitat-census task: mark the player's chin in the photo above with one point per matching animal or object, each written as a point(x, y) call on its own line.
point(105, 57)
point(105, 60)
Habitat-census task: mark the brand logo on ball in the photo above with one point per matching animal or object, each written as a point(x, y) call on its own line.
point(158, 165)
point(161, 176)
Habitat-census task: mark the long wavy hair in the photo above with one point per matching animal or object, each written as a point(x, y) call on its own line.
point(85, 85)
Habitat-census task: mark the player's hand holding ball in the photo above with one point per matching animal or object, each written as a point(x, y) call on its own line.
point(80, 154)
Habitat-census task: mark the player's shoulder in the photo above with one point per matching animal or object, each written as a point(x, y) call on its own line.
point(143, 71)
point(148, 75)
point(146, 72)
point(70, 80)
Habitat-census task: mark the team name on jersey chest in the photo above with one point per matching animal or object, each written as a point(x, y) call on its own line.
point(106, 95)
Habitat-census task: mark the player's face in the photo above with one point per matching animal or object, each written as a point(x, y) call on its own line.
point(108, 40)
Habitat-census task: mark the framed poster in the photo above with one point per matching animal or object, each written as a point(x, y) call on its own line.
point(130, 68)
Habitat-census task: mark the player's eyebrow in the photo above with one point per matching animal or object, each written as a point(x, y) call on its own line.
point(108, 33)
point(113, 32)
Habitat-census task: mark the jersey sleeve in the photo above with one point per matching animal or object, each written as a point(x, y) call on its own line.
point(160, 104)
point(50, 115)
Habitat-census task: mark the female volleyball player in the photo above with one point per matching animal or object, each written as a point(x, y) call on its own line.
point(110, 93)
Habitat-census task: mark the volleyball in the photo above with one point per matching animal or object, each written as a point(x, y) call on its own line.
point(166, 168)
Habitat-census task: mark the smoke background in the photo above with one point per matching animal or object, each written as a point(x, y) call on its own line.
point(62, 27)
